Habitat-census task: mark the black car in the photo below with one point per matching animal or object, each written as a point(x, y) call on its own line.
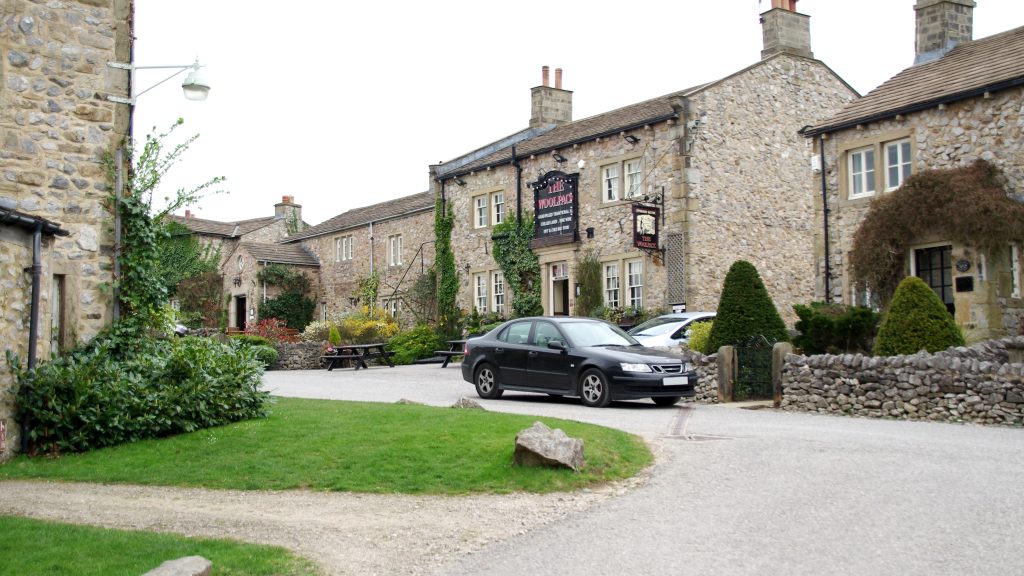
point(582, 357)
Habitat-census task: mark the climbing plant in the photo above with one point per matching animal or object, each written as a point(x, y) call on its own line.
point(588, 274)
point(519, 265)
point(291, 305)
point(968, 205)
point(447, 276)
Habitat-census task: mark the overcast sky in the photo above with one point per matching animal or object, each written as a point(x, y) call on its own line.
point(343, 105)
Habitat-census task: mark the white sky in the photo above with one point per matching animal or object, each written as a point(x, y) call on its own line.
point(344, 104)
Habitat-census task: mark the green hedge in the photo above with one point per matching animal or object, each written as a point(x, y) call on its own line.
point(835, 328)
point(415, 344)
point(916, 320)
point(99, 396)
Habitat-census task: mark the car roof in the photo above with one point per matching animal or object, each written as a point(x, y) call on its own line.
point(686, 315)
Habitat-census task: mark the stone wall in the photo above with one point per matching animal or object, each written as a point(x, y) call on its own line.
point(989, 128)
point(982, 384)
point(298, 355)
point(56, 125)
point(707, 375)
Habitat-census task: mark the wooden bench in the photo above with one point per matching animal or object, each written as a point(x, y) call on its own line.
point(359, 354)
point(454, 349)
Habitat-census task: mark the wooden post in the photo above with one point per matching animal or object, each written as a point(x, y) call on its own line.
point(726, 372)
point(779, 351)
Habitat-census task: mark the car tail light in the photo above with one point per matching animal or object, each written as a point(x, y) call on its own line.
point(465, 348)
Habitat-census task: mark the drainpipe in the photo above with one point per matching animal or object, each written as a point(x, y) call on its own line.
point(371, 247)
point(824, 215)
point(519, 188)
point(33, 326)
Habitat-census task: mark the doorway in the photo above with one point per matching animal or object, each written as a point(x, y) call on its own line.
point(560, 289)
point(240, 312)
point(934, 266)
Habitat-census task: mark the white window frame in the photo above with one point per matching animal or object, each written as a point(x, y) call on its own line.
point(498, 293)
point(903, 165)
point(1015, 288)
point(393, 306)
point(497, 208)
point(347, 247)
point(337, 249)
point(480, 293)
point(612, 285)
point(395, 250)
point(610, 183)
point(480, 211)
point(635, 282)
point(634, 177)
point(868, 178)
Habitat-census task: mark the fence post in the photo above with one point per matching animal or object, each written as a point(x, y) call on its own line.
point(779, 351)
point(726, 372)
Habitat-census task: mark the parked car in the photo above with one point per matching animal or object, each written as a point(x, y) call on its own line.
point(578, 357)
point(669, 329)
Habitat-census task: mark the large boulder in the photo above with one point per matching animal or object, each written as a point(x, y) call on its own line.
point(187, 566)
point(542, 446)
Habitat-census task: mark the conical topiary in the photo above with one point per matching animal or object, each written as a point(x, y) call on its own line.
point(333, 335)
point(745, 309)
point(916, 320)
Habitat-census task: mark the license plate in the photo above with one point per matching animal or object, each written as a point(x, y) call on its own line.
point(675, 381)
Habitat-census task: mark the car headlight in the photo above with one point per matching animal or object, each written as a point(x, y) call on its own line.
point(627, 367)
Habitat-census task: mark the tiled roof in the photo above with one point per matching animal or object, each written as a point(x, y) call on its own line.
point(969, 69)
point(366, 214)
point(280, 253)
point(226, 229)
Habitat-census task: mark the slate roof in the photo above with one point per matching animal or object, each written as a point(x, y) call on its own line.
point(366, 214)
point(225, 229)
point(968, 70)
point(280, 253)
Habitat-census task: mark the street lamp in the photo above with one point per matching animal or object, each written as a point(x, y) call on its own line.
point(195, 85)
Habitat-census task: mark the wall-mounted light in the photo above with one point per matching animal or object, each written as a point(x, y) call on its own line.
point(577, 289)
point(353, 300)
point(237, 281)
point(195, 86)
point(558, 157)
point(252, 312)
point(465, 267)
point(460, 181)
point(590, 232)
point(581, 164)
point(630, 138)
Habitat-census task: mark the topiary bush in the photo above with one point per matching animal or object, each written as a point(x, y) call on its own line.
point(745, 309)
point(916, 320)
point(415, 344)
point(835, 328)
point(700, 337)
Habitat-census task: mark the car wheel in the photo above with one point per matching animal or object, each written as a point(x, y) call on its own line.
point(486, 382)
point(594, 389)
point(666, 400)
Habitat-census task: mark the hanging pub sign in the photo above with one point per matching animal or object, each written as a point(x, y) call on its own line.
point(555, 209)
point(645, 226)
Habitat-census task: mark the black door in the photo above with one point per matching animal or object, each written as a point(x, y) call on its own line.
point(240, 312)
point(510, 353)
point(933, 265)
point(548, 368)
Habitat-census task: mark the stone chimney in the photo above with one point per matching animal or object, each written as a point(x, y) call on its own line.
point(550, 105)
point(941, 25)
point(188, 214)
point(785, 31)
point(286, 208)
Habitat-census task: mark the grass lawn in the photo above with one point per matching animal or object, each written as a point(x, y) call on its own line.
point(33, 547)
point(351, 446)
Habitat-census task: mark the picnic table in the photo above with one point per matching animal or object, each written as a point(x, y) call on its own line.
point(357, 353)
point(454, 349)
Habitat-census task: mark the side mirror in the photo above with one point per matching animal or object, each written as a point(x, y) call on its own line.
point(557, 345)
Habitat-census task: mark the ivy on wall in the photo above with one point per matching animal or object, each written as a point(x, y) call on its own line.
point(967, 205)
point(291, 306)
point(588, 275)
point(519, 265)
point(447, 276)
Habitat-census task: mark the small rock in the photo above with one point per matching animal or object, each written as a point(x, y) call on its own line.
point(187, 566)
point(542, 446)
point(467, 403)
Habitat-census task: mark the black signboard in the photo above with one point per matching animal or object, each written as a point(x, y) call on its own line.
point(645, 226)
point(555, 208)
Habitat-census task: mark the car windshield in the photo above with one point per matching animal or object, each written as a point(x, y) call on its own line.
point(584, 334)
point(656, 326)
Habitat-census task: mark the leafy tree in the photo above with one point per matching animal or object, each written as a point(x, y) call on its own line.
point(916, 320)
point(745, 309)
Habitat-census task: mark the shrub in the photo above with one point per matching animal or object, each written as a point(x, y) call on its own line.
point(97, 396)
point(318, 331)
point(265, 354)
point(415, 344)
point(252, 340)
point(916, 320)
point(333, 336)
point(367, 325)
point(835, 328)
point(292, 308)
point(700, 337)
point(271, 329)
point(745, 309)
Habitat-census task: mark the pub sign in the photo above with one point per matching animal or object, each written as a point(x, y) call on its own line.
point(645, 226)
point(555, 208)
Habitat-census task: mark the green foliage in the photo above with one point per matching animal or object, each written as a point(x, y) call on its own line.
point(700, 337)
point(421, 299)
point(588, 275)
point(199, 299)
point(916, 320)
point(519, 265)
point(835, 328)
point(271, 329)
point(251, 340)
point(180, 256)
point(477, 323)
point(333, 336)
point(367, 325)
point(624, 316)
point(745, 309)
point(415, 344)
point(102, 394)
point(968, 205)
point(353, 446)
point(267, 355)
point(447, 276)
point(291, 306)
point(369, 289)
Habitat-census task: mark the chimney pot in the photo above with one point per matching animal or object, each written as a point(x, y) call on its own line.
point(188, 213)
point(558, 78)
point(544, 75)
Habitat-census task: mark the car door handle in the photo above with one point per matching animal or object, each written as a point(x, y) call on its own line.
point(499, 350)
point(533, 353)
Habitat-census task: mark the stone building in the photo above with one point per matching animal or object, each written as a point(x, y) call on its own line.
point(56, 126)
point(394, 239)
point(961, 101)
point(247, 245)
point(667, 193)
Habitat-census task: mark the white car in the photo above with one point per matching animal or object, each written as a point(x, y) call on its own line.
point(669, 329)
